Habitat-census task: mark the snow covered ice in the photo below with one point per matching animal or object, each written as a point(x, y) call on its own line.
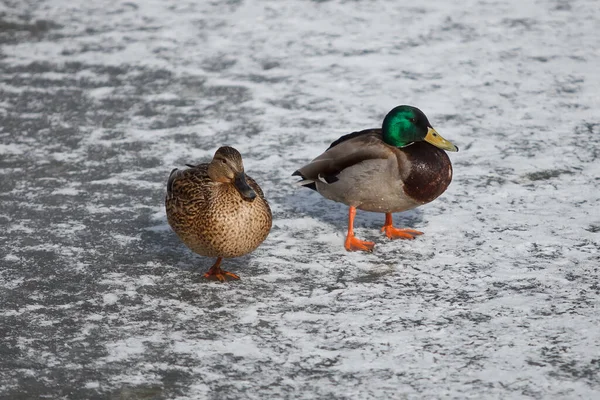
point(100, 100)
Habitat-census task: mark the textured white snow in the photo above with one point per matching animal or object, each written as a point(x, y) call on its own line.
point(100, 100)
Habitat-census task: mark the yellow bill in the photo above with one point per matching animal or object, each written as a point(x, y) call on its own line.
point(438, 141)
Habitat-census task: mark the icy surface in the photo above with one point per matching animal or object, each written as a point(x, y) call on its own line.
point(101, 99)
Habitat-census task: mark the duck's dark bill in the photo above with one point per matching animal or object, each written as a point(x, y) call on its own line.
point(438, 141)
point(241, 184)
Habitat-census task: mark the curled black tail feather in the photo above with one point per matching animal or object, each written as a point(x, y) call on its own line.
point(310, 185)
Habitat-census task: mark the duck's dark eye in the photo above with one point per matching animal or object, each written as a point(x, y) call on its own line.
point(413, 120)
point(223, 161)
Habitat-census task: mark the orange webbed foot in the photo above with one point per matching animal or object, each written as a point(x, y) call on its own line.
point(220, 274)
point(354, 244)
point(397, 233)
point(217, 273)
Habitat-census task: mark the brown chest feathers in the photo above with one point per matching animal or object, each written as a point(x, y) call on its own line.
point(430, 172)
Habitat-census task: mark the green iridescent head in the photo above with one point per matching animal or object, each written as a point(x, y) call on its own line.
point(405, 125)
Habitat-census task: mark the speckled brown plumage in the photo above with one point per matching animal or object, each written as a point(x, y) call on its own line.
point(210, 214)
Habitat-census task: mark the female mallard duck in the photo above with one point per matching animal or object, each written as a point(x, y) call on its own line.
point(392, 169)
point(217, 210)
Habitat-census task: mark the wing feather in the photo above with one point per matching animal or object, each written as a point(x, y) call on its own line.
point(186, 185)
point(347, 151)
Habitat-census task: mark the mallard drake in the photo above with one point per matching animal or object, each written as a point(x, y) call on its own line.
point(217, 210)
point(396, 168)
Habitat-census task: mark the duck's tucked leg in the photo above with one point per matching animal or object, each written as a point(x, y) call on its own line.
point(396, 233)
point(218, 273)
point(352, 243)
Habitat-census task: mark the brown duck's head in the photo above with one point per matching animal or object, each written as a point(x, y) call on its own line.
point(226, 166)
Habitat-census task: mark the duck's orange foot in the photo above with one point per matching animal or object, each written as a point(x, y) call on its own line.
point(397, 233)
point(215, 272)
point(354, 244)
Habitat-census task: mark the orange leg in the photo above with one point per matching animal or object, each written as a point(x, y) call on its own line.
point(352, 243)
point(218, 273)
point(396, 233)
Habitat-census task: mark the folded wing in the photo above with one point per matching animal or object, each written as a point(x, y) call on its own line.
point(347, 151)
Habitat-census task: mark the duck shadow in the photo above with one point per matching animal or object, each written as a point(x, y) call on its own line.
point(163, 248)
point(167, 250)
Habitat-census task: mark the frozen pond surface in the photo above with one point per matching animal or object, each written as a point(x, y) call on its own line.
point(101, 99)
